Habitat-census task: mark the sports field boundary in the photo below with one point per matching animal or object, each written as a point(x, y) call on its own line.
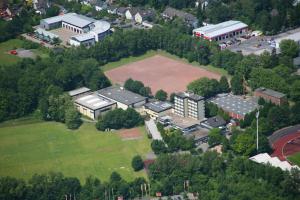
point(150, 53)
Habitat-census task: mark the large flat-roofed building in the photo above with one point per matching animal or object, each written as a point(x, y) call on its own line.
point(187, 104)
point(93, 105)
point(269, 95)
point(157, 109)
point(237, 107)
point(124, 98)
point(222, 31)
point(79, 92)
point(87, 30)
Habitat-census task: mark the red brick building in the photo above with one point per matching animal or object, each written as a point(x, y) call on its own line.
point(269, 95)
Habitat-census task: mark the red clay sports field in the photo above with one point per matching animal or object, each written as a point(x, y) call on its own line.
point(286, 142)
point(160, 72)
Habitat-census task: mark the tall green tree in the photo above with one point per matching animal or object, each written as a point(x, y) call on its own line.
point(161, 95)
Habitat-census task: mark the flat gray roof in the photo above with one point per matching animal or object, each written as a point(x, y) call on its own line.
point(158, 106)
point(270, 92)
point(214, 30)
point(78, 91)
point(235, 104)
point(94, 101)
point(190, 95)
point(71, 18)
point(121, 95)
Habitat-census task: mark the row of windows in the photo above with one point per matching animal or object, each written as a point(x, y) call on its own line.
point(228, 35)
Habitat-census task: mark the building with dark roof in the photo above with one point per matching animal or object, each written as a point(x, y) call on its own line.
point(157, 109)
point(171, 13)
point(144, 15)
point(214, 122)
point(188, 104)
point(121, 11)
point(269, 95)
point(236, 106)
point(123, 97)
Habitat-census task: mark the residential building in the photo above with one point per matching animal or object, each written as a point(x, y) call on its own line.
point(121, 11)
point(214, 122)
point(189, 105)
point(79, 92)
point(88, 30)
point(200, 136)
point(269, 95)
point(222, 31)
point(131, 12)
point(157, 109)
point(144, 15)
point(112, 9)
point(124, 98)
point(171, 13)
point(237, 107)
point(93, 105)
point(99, 5)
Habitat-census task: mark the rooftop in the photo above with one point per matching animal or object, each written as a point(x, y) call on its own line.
point(182, 122)
point(214, 30)
point(121, 95)
point(265, 158)
point(71, 18)
point(172, 12)
point(78, 91)
point(94, 101)
point(158, 106)
point(270, 92)
point(190, 95)
point(215, 121)
point(235, 104)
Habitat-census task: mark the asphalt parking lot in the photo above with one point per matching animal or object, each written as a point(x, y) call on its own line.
point(253, 45)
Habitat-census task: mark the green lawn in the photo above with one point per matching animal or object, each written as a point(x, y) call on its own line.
point(5, 47)
point(28, 147)
point(151, 53)
point(295, 159)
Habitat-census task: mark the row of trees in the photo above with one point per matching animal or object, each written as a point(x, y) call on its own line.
point(119, 118)
point(210, 175)
point(222, 177)
point(54, 186)
point(137, 87)
point(209, 87)
point(268, 16)
point(36, 85)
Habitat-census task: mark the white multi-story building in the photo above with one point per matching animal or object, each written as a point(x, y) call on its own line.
point(189, 105)
point(87, 30)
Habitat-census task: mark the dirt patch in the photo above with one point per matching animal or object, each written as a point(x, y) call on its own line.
point(160, 72)
point(130, 134)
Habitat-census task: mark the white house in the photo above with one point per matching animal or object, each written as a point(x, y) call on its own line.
point(130, 13)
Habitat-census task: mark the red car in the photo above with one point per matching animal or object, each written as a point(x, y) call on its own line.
point(13, 52)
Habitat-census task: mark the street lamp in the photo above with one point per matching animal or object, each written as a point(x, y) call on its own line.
point(257, 115)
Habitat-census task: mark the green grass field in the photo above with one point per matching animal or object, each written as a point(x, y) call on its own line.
point(28, 147)
point(295, 159)
point(5, 47)
point(5, 57)
point(151, 53)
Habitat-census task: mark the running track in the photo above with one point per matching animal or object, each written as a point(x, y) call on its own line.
point(279, 145)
